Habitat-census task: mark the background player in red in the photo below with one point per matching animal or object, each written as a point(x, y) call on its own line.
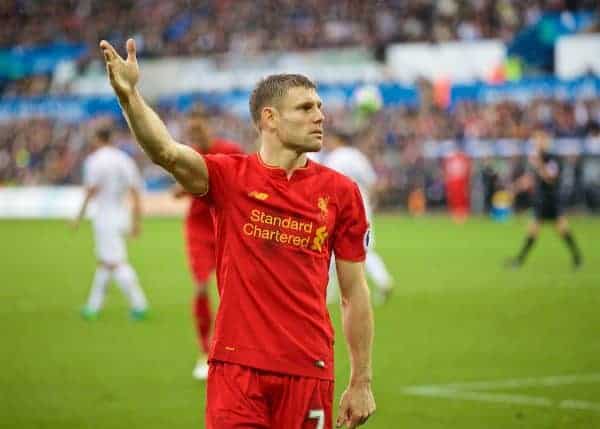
point(200, 234)
point(279, 217)
point(457, 173)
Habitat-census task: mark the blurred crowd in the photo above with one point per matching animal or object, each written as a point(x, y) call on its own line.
point(44, 151)
point(185, 27)
point(51, 152)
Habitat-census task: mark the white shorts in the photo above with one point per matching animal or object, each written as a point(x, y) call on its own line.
point(110, 243)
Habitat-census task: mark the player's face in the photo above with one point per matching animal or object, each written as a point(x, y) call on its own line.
point(299, 120)
point(196, 133)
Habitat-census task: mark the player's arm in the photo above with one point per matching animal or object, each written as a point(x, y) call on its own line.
point(185, 164)
point(89, 193)
point(136, 209)
point(357, 402)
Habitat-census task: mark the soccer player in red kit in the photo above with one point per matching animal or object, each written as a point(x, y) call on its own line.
point(457, 172)
point(200, 234)
point(278, 218)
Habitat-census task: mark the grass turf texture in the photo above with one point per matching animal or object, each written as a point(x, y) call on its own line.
point(456, 316)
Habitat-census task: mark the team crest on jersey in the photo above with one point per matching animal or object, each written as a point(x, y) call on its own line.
point(258, 195)
point(320, 237)
point(323, 204)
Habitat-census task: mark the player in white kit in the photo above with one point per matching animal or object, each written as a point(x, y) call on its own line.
point(354, 164)
point(109, 176)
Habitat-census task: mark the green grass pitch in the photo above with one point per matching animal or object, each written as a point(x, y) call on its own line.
point(456, 317)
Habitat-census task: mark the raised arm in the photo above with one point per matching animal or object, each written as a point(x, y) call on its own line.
point(357, 402)
point(185, 164)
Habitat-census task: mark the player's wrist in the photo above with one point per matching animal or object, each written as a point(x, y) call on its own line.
point(127, 95)
point(360, 380)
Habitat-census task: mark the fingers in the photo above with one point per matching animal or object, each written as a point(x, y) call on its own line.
point(111, 74)
point(109, 52)
point(352, 418)
point(343, 412)
point(357, 420)
point(131, 51)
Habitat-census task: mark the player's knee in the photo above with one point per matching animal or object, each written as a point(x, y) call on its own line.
point(534, 230)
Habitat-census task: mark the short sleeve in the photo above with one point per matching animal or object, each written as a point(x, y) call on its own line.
point(352, 229)
point(220, 168)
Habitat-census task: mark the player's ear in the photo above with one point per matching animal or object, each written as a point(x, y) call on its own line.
point(269, 117)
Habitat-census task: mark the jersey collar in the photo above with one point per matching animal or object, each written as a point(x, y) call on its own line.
point(280, 173)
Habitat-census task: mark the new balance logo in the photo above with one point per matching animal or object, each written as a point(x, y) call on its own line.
point(258, 195)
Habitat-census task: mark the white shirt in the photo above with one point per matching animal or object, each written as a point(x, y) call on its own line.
point(354, 164)
point(113, 173)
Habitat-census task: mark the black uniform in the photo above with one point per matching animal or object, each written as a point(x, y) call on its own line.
point(547, 202)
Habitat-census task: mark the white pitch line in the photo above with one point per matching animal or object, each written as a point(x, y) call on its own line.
point(579, 405)
point(482, 397)
point(502, 398)
point(466, 391)
point(519, 383)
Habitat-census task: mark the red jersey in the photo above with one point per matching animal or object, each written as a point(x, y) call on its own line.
point(457, 169)
point(198, 220)
point(274, 241)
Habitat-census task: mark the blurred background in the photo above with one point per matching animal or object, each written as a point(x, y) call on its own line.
point(414, 82)
point(473, 75)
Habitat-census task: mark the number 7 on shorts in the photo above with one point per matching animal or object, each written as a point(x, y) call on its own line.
point(318, 415)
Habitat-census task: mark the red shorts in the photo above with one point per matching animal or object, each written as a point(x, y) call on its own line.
point(242, 397)
point(200, 243)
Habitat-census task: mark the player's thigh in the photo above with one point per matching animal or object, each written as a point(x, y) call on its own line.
point(110, 244)
point(234, 399)
point(306, 404)
point(533, 228)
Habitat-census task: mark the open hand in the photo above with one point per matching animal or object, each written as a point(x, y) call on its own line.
point(123, 74)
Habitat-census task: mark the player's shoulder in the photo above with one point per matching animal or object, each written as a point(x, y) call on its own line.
point(349, 151)
point(97, 157)
point(348, 155)
point(221, 145)
point(236, 156)
point(116, 155)
point(230, 160)
point(333, 178)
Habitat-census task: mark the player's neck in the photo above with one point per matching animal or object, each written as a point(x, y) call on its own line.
point(286, 159)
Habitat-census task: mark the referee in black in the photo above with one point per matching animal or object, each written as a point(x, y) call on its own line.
point(546, 203)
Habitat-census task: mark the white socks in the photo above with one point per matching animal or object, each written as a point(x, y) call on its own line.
point(127, 280)
point(99, 284)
